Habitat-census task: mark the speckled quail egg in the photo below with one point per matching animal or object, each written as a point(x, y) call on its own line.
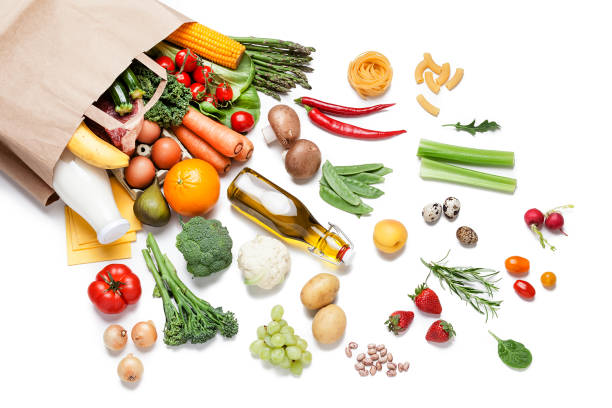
point(467, 236)
point(432, 212)
point(451, 208)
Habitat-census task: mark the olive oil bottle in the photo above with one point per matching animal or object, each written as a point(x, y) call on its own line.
point(284, 215)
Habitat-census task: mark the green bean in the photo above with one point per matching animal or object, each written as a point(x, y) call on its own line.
point(382, 172)
point(368, 178)
point(358, 168)
point(338, 185)
point(362, 189)
point(329, 196)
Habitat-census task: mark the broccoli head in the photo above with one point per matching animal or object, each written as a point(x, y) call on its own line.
point(206, 246)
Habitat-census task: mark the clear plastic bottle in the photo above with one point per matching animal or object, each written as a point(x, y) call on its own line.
point(86, 189)
point(287, 217)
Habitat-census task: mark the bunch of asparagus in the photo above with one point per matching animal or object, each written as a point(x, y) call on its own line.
point(279, 65)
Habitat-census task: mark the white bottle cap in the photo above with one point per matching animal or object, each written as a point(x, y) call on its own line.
point(113, 231)
point(347, 257)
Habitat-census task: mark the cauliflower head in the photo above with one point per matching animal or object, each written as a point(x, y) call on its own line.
point(206, 246)
point(264, 262)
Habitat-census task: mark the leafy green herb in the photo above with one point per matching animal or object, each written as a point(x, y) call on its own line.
point(472, 129)
point(470, 284)
point(513, 353)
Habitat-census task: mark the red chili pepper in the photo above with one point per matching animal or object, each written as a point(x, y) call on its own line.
point(339, 109)
point(345, 129)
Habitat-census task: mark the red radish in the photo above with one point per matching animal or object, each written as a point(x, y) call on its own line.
point(554, 219)
point(534, 220)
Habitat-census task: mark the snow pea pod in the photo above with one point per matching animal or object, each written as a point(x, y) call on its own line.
point(338, 185)
point(382, 171)
point(358, 168)
point(368, 178)
point(329, 196)
point(362, 189)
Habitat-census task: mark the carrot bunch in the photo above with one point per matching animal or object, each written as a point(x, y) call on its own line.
point(212, 141)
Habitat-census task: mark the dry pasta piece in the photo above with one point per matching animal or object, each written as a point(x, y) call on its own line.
point(431, 64)
point(427, 106)
point(418, 72)
point(431, 84)
point(370, 74)
point(454, 81)
point(444, 74)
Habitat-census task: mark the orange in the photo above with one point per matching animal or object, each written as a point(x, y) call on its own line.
point(192, 187)
point(517, 265)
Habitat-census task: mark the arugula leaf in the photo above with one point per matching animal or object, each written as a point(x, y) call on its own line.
point(472, 128)
point(513, 353)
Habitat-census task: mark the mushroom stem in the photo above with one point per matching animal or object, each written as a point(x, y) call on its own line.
point(268, 134)
point(284, 154)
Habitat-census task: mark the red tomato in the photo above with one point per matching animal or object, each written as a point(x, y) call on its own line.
point(198, 91)
point(188, 57)
point(115, 287)
point(524, 289)
point(224, 92)
point(166, 62)
point(242, 121)
point(210, 99)
point(183, 78)
point(200, 74)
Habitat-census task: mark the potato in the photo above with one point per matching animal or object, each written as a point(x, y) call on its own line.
point(390, 236)
point(329, 324)
point(320, 291)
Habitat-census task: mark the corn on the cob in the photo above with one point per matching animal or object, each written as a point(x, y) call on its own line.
point(209, 44)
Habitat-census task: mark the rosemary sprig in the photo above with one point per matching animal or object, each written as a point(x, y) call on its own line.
point(472, 128)
point(470, 284)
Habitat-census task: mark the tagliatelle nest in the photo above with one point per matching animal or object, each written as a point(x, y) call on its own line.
point(370, 74)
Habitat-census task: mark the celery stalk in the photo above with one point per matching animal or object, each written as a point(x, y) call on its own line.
point(435, 170)
point(467, 155)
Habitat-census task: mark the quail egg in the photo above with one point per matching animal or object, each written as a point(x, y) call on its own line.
point(451, 208)
point(467, 236)
point(432, 212)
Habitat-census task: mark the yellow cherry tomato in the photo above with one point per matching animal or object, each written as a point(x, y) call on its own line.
point(548, 279)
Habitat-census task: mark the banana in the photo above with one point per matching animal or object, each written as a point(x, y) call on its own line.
point(90, 148)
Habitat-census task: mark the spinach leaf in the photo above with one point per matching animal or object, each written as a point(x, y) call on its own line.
point(513, 353)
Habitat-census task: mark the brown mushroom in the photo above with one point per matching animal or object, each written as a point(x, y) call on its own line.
point(284, 126)
point(303, 159)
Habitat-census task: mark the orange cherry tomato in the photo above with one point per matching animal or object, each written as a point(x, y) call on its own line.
point(548, 280)
point(192, 187)
point(517, 265)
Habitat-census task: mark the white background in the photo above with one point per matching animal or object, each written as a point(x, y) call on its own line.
point(541, 69)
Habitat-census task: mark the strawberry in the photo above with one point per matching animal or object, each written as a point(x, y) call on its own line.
point(440, 331)
point(399, 321)
point(426, 300)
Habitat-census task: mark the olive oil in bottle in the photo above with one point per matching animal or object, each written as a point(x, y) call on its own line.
point(284, 215)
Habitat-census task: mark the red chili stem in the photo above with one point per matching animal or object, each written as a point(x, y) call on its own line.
point(339, 109)
point(345, 129)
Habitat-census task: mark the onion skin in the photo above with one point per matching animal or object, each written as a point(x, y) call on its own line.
point(130, 369)
point(144, 334)
point(115, 337)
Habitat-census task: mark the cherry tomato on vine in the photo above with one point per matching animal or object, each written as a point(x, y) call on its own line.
point(549, 280)
point(198, 91)
point(201, 74)
point(183, 78)
point(242, 121)
point(517, 265)
point(115, 287)
point(210, 99)
point(166, 62)
point(524, 289)
point(188, 57)
point(224, 92)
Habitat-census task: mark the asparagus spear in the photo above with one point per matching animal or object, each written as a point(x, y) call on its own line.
point(301, 81)
point(268, 92)
point(273, 42)
point(279, 58)
point(271, 85)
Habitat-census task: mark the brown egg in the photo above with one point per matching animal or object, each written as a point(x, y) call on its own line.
point(150, 132)
point(140, 173)
point(166, 153)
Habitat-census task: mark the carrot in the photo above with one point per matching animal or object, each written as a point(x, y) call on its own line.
point(220, 137)
point(202, 150)
point(247, 150)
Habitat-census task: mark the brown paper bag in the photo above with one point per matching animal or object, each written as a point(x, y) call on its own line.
point(58, 57)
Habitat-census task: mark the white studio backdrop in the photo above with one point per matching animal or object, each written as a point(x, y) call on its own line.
point(541, 69)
